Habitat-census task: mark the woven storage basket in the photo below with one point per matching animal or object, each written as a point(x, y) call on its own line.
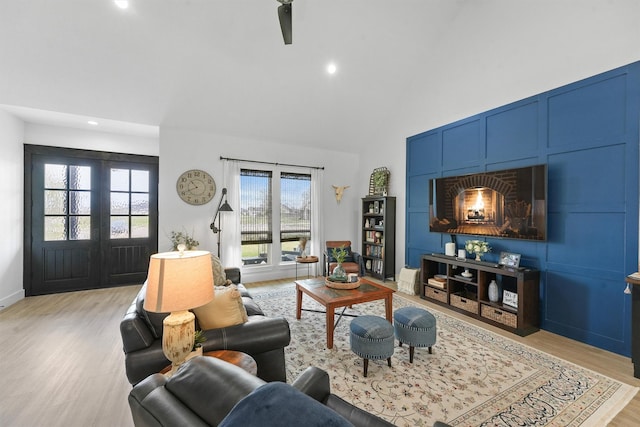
point(466, 304)
point(341, 285)
point(500, 316)
point(435, 294)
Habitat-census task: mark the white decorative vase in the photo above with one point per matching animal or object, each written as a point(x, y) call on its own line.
point(478, 256)
point(494, 295)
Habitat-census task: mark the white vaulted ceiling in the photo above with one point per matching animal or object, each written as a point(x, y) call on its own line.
point(221, 66)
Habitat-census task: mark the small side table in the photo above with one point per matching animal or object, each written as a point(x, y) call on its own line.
point(311, 259)
point(238, 358)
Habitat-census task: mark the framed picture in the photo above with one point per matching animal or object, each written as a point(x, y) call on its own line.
point(510, 299)
point(509, 259)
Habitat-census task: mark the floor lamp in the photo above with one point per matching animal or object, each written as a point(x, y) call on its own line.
point(221, 208)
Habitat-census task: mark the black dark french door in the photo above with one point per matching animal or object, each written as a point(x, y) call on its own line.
point(91, 219)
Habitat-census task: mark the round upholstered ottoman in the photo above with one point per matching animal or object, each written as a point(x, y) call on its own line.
point(372, 338)
point(416, 327)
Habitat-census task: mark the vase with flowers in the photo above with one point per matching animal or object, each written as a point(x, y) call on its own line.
point(478, 247)
point(303, 247)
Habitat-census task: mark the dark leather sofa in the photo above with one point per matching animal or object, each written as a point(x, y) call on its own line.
point(205, 390)
point(261, 337)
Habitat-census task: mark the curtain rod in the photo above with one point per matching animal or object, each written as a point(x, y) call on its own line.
point(272, 163)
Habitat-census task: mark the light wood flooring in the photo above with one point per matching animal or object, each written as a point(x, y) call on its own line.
point(62, 361)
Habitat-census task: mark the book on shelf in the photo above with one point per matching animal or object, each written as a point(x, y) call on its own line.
point(437, 283)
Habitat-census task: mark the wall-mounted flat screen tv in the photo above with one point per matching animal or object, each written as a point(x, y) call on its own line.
point(509, 203)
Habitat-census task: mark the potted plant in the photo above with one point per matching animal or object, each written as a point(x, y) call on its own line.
point(339, 254)
point(183, 238)
point(198, 339)
point(379, 180)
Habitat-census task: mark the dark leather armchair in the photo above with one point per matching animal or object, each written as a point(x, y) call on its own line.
point(353, 264)
point(205, 390)
point(262, 337)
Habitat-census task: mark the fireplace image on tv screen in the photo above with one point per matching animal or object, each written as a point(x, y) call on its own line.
point(510, 203)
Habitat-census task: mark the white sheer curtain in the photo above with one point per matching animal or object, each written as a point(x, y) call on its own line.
point(317, 217)
point(231, 249)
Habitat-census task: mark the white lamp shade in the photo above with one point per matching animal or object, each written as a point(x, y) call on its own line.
point(179, 282)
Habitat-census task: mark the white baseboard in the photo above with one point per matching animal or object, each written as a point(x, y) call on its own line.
point(11, 299)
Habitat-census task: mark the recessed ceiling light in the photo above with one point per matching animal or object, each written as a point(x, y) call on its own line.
point(331, 68)
point(122, 4)
point(93, 123)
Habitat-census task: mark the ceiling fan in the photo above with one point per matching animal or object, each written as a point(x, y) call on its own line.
point(284, 14)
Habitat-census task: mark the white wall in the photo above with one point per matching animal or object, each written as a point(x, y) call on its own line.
point(181, 150)
point(12, 212)
point(66, 137)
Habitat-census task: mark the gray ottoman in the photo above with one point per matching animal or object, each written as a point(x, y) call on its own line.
point(372, 338)
point(416, 327)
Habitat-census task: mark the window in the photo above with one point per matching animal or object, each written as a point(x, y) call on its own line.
point(268, 204)
point(129, 210)
point(67, 202)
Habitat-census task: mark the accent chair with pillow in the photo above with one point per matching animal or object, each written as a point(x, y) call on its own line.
point(231, 321)
point(353, 263)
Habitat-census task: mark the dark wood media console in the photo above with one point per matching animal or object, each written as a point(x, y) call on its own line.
point(470, 295)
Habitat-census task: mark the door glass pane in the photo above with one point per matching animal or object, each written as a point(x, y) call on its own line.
point(119, 227)
point(119, 179)
point(139, 226)
point(79, 228)
point(119, 203)
point(139, 204)
point(55, 176)
point(140, 181)
point(80, 177)
point(55, 202)
point(80, 203)
point(55, 228)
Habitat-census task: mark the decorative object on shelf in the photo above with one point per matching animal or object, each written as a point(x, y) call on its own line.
point(510, 298)
point(339, 191)
point(367, 223)
point(196, 187)
point(466, 273)
point(168, 272)
point(221, 208)
point(509, 259)
point(494, 295)
point(477, 247)
point(378, 237)
point(450, 249)
point(379, 182)
point(182, 240)
point(462, 254)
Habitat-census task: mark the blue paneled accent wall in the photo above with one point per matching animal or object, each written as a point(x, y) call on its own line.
point(587, 135)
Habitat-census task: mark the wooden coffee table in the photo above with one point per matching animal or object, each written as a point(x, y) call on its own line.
point(333, 298)
point(238, 358)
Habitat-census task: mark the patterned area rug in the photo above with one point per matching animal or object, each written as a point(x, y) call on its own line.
point(473, 378)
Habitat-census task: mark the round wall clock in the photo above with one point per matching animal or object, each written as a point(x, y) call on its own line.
point(196, 187)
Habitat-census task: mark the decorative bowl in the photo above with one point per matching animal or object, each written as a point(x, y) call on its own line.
point(341, 285)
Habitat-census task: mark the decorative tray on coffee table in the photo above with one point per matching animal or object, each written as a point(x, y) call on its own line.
point(335, 283)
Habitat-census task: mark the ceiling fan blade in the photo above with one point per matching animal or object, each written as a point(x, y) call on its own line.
point(284, 14)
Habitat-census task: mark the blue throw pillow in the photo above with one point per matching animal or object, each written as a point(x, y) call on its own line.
point(348, 258)
point(277, 404)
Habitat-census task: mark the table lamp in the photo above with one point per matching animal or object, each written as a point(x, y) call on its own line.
point(177, 282)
